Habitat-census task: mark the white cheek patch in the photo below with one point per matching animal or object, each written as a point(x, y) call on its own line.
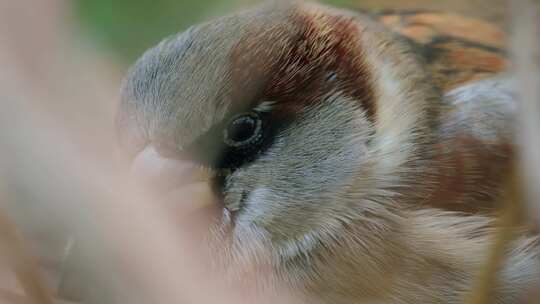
point(299, 246)
point(258, 195)
point(265, 201)
point(251, 237)
point(261, 198)
point(395, 120)
point(397, 113)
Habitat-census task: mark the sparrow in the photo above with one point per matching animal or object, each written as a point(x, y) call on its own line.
point(357, 157)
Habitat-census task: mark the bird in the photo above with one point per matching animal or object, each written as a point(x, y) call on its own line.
point(357, 157)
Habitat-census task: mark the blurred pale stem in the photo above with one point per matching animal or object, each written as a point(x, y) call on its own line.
point(526, 55)
point(523, 193)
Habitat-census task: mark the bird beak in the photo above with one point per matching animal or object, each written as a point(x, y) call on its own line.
point(165, 174)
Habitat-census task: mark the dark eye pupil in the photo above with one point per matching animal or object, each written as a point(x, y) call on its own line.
point(242, 129)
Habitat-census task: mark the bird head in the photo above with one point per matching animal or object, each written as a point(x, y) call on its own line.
point(314, 121)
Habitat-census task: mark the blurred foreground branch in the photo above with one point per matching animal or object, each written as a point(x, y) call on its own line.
point(522, 194)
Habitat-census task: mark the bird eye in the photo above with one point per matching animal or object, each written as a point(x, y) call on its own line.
point(243, 130)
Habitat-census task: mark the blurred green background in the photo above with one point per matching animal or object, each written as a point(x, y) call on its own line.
point(128, 27)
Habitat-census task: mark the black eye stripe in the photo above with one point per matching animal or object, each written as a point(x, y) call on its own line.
point(212, 149)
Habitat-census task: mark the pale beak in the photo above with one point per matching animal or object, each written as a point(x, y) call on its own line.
point(164, 174)
point(177, 183)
